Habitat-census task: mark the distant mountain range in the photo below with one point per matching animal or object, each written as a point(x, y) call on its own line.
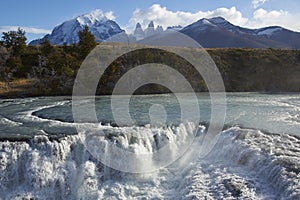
point(210, 33)
point(217, 32)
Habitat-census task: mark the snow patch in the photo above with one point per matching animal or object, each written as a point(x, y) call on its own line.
point(269, 31)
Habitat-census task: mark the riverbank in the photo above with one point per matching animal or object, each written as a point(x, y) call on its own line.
point(18, 88)
point(242, 70)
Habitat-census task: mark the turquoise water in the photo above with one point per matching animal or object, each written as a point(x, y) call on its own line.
point(53, 115)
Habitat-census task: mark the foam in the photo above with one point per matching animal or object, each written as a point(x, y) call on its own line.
point(245, 163)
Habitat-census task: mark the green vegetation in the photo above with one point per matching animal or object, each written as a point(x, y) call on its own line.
point(86, 43)
point(15, 40)
point(51, 70)
point(259, 70)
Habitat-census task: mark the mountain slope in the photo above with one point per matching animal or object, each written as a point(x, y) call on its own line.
point(219, 33)
point(67, 32)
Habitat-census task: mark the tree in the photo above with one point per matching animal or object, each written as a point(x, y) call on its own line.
point(86, 43)
point(46, 47)
point(4, 55)
point(15, 40)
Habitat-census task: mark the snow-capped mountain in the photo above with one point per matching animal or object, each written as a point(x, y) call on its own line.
point(67, 32)
point(175, 28)
point(217, 33)
point(211, 33)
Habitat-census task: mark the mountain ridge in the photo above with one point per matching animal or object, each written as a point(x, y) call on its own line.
point(219, 33)
point(214, 32)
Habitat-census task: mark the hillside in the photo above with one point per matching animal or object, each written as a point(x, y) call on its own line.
point(243, 70)
point(258, 70)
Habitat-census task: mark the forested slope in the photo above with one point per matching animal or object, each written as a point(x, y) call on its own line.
point(51, 70)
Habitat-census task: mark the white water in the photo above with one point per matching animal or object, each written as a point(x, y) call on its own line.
point(245, 163)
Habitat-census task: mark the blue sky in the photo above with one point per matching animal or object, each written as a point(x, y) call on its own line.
point(39, 17)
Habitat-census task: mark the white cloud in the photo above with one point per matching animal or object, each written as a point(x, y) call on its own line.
point(260, 17)
point(110, 15)
point(269, 17)
point(100, 14)
point(257, 3)
point(164, 17)
point(26, 29)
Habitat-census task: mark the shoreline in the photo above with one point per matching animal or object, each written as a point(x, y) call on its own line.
point(27, 88)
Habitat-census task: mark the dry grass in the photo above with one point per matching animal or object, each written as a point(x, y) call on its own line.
point(16, 87)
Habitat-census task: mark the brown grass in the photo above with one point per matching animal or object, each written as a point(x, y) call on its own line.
point(17, 87)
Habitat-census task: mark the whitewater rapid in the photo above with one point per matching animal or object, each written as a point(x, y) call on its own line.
point(244, 164)
point(257, 155)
